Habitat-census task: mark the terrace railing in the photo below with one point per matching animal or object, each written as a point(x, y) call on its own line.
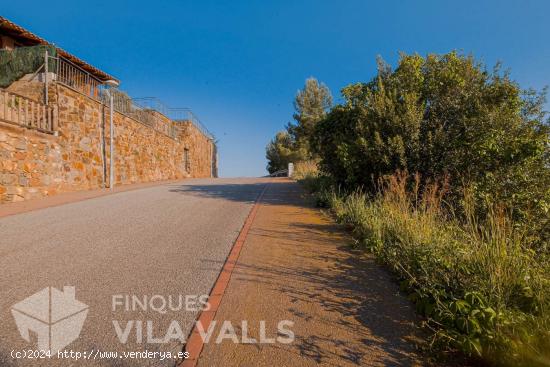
point(77, 78)
point(175, 114)
point(149, 110)
point(136, 109)
point(185, 114)
point(23, 111)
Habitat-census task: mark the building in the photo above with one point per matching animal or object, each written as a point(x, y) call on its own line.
point(55, 126)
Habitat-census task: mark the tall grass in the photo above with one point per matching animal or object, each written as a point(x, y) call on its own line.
point(480, 289)
point(305, 170)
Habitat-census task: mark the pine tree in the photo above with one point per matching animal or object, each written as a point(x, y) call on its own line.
point(311, 105)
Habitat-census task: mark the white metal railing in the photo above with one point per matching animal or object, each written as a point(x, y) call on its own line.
point(175, 114)
point(135, 109)
point(71, 75)
point(145, 110)
point(23, 111)
point(185, 114)
point(77, 78)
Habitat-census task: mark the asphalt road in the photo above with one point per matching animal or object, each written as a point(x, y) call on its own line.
point(152, 246)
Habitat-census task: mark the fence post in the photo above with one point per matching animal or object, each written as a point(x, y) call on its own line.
point(27, 121)
point(32, 121)
point(44, 122)
point(54, 122)
point(46, 77)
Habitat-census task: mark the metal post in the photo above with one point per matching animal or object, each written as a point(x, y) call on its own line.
point(112, 153)
point(102, 139)
point(46, 77)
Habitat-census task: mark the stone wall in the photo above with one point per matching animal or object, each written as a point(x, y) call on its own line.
point(35, 164)
point(30, 164)
point(201, 150)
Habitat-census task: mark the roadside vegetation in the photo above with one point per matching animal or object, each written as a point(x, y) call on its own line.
point(294, 143)
point(441, 169)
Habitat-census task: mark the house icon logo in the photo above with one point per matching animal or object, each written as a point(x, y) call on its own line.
point(55, 317)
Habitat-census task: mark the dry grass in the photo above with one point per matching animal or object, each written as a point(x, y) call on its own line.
point(459, 269)
point(305, 169)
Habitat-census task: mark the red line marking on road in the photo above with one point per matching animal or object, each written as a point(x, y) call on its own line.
point(195, 343)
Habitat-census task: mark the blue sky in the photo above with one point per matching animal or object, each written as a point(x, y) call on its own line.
point(238, 64)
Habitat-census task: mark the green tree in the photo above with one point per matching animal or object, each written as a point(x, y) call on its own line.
point(280, 152)
point(444, 115)
point(311, 105)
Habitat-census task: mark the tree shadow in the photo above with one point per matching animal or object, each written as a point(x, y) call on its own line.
point(244, 192)
point(359, 288)
point(326, 270)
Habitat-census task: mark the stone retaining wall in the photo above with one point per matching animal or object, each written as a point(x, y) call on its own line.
point(35, 164)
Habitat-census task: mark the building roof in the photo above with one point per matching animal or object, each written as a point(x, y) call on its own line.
point(27, 38)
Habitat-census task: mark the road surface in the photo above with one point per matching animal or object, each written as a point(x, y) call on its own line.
point(132, 258)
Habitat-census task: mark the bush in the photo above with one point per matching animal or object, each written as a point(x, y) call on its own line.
point(445, 115)
point(468, 236)
point(320, 185)
point(279, 152)
point(305, 169)
point(293, 143)
point(481, 291)
point(16, 63)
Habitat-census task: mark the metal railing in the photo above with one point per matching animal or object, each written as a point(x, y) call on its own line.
point(77, 78)
point(145, 110)
point(177, 115)
point(131, 107)
point(152, 103)
point(186, 114)
point(23, 111)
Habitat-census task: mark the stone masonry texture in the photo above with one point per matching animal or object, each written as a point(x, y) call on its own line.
point(35, 164)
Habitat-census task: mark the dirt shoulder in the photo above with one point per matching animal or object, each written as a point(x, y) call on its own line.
point(296, 265)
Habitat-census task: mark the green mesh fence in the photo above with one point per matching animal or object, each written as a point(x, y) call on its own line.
point(14, 64)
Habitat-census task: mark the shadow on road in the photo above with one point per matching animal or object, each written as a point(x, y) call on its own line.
point(245, 192)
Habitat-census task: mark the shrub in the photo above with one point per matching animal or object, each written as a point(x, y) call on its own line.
point(279, 152)
point(293, 144)
point(468, 236)
point(481, 291)
point(445, 115)
point(305, 169)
